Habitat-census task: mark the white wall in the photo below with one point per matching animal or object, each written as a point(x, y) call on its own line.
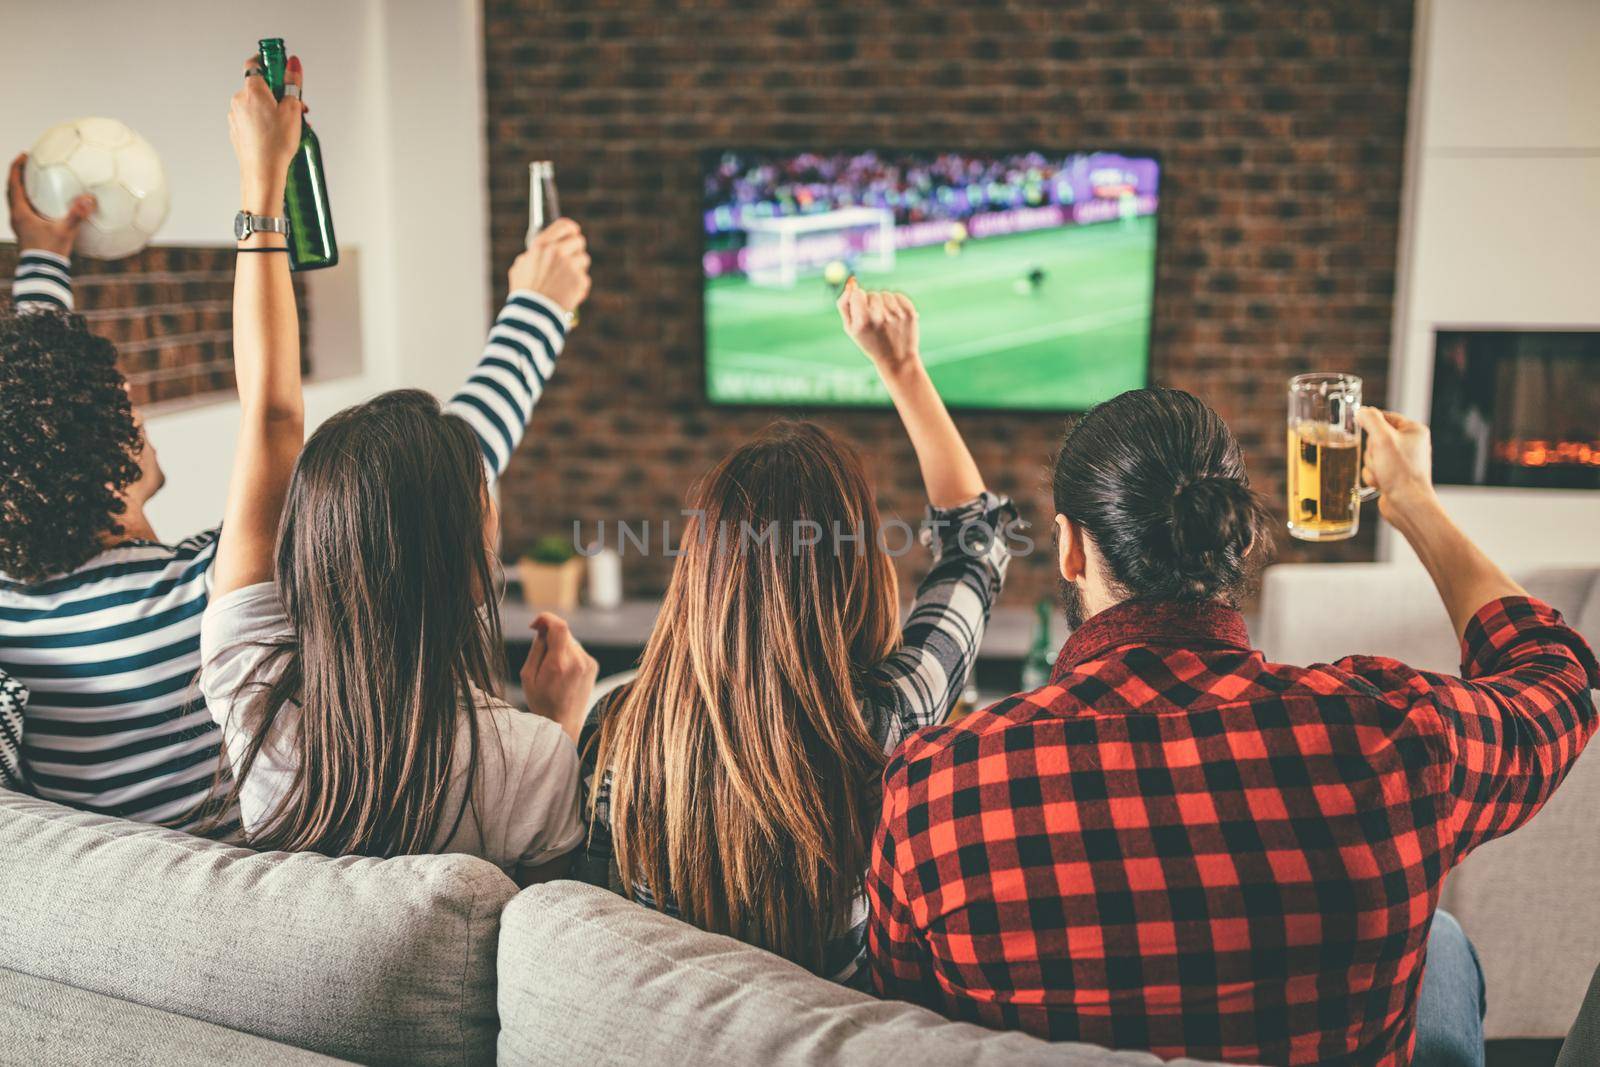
point(1501, 224)
point(395, 90)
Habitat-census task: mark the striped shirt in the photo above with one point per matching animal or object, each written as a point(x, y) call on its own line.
point(918, 686)
point(109, 652)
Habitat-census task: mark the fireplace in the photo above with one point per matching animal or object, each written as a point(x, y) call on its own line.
point(1516, 408)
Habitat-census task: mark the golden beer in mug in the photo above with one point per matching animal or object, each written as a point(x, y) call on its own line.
point(1324, 476)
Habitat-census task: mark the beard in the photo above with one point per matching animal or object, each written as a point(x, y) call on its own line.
point(1071, 598)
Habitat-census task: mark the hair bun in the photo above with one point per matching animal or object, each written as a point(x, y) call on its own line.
point(1212, 526)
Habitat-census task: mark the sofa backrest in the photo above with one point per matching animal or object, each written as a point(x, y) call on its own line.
point(587, 977)
point(381, 961)
point(1320, 612)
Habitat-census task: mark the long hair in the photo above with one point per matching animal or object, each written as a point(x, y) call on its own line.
point(1159, 483)
point(743, 771)
point(381, 566)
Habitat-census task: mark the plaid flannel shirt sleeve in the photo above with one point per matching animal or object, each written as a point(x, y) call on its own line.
point(926, 674)
point(1517, 718)
point(595, 855)
point(1520, 715)
point(899, 961)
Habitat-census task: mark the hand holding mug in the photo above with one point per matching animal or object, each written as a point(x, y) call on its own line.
point(1398, 459)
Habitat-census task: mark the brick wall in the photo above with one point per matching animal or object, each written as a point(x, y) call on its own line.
point(1280, 126)
point(169, 310)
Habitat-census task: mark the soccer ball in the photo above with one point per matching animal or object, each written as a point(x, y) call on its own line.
point(116, 166)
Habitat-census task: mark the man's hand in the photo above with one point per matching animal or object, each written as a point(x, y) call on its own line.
point(884, 326)
point(33, 229)
point(1398, 459)
point(559, 675)
point(265, 134)
point(555, 265)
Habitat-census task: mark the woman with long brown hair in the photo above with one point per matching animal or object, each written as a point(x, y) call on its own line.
point(734, 782)
point(346, 651)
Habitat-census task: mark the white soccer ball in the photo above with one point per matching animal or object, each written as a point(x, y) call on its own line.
point(116, 166)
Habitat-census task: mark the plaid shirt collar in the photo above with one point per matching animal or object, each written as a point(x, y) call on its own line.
point(1187, 624)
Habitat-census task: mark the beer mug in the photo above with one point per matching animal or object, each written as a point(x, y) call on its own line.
point(1325, 490)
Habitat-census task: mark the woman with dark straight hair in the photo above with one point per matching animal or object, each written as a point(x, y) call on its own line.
point(350, 646)
point(1176, 845)
point(734, 782)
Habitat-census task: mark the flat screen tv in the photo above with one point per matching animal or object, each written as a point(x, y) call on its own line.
point(1033, 271)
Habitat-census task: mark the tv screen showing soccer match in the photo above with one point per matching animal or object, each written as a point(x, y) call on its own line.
point(1033, 272)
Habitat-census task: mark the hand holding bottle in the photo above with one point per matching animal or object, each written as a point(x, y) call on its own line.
point(555, 265)
point(265, 134)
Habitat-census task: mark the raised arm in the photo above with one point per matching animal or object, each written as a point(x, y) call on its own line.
point(1399, 463)
point(44, 247)
point(884, 325)
point(266, 339)
point(546, 284)
point(1522, 711)
point(941, 637)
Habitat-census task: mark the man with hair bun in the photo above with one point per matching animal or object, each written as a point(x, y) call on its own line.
point(1175, 845)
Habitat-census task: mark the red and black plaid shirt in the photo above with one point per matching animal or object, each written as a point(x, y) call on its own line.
point(1178, 846)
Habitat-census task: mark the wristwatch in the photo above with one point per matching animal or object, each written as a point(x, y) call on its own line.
point(245, 224)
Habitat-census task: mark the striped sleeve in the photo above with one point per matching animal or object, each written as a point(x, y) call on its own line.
point(518, 359)
point(43, 280)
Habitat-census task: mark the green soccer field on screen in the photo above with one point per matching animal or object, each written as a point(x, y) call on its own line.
point(1034, 285)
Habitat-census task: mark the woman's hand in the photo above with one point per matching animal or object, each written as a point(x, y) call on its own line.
point(33, 229)
point(559, 675)
point(1398, 459)
point(884, 326)
point(265, 134)
point(555, 265)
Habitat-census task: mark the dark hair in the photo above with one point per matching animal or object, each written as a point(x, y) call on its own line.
point(381, 567)
point(1157, 480)
point(68, 443)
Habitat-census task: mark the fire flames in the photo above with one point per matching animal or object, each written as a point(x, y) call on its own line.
point(1540, 453)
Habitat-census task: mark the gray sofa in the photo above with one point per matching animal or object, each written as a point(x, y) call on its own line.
point(128, 943)
point(1529, 900)
point(132, 944)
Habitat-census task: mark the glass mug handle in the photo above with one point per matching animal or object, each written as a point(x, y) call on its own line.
point(1365, 492)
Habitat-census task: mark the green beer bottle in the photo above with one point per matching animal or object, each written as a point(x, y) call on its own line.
point(1040, 661)
point(305, 196)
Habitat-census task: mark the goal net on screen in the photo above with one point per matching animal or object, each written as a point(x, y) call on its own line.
point(778, 251)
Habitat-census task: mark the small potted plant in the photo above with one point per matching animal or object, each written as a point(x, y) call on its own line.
point(551, 574)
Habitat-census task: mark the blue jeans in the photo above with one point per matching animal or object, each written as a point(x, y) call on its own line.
point(1451, 1002)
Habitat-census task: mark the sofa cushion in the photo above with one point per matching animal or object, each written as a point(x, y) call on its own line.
point(588, 977)
point(383, 961)
point(46, 1022)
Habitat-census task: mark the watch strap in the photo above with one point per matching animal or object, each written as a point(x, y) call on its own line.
point(246, 223)
point(268, 223)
